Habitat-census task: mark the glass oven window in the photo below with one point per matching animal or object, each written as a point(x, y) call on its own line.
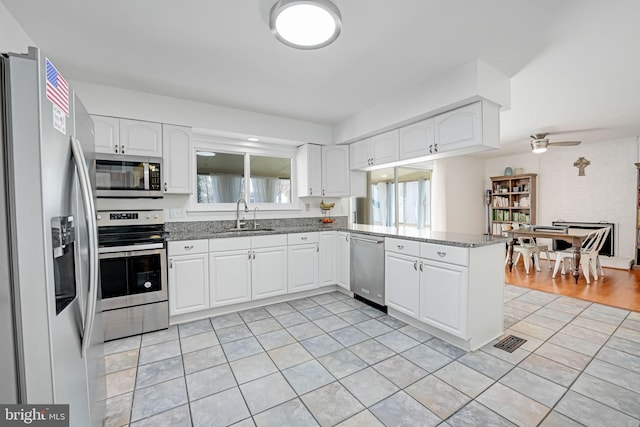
point(144, 274)
point(119, 175)
point(113, 277)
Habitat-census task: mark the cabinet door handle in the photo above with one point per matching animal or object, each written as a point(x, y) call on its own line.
point(249, 254)
point(373, 161)
point(122, 149)
point(441, 254)
point(115, 148)
point(435, 147)
point(317, 248)
point(310, 191)
point(421, 266)
point(165, 187)
point(415, 265)
point(323, 191)
point(254, 255)
point(400, 247)
point(170, 263)
point(188, 248)
point(346, 237)
point(431, 148)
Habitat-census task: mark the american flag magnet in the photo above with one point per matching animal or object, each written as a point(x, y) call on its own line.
point(57, 88)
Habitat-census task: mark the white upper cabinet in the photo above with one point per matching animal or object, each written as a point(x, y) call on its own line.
point(465, 130)
point(377, 150)
point(124, 136)
point(309, 164)
point(176, 159)
point(107, 138)
point(459, 128)
point(335, 171)
point(385, 148)
point(140, 138)
point(323, 171)
point(360, 154)
point(416, 140)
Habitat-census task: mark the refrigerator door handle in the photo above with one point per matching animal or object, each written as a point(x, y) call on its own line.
point(92, 231)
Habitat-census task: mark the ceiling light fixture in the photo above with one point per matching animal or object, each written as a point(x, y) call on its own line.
point(305, 24)
point(253, 139)
point(539, 146)
point(205, 153)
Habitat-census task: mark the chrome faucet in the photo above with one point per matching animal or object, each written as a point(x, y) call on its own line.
point(255, 224)
point(246, 209)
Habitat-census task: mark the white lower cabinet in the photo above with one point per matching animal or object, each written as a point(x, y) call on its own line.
point(443, 296)
point(269, 272)
point(402, 283)
point(188, 276)
point(303, 261)
point(327, 258)
point(230, 277)
point(343, 278)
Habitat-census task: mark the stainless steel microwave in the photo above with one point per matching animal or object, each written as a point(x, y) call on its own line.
point(126, 176)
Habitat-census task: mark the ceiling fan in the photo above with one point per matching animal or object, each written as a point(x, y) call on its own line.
point(540, 142)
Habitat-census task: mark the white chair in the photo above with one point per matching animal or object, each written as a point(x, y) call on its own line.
point(527, 249)
point(589, 260)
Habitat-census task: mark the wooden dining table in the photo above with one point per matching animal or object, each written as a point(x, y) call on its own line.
point(575, 236)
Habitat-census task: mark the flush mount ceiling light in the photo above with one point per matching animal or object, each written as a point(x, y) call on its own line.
point(205, 153)
point(253, 139)
point(305, 24)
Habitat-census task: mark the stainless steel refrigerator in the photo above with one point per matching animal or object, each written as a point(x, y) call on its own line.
point(50, 325)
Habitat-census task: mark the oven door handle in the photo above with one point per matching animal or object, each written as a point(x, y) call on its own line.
point(92, 231)
point(132, 248)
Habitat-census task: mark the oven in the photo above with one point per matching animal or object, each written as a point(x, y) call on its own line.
point(133, 272)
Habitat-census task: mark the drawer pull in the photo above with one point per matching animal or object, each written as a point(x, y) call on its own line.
point(303, 238)
point(421, 266)
point(400, 247)
point(415, 265)
point(188, 248)
point(441, 254)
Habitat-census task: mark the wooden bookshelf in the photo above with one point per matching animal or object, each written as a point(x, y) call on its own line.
point(513, 200)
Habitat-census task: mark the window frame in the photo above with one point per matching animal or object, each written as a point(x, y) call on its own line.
point(247, 150)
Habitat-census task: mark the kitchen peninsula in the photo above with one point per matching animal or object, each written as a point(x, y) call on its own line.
point(448, 284)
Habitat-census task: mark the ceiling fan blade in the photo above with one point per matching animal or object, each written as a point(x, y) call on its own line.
point(565, 143)
point(539, 136)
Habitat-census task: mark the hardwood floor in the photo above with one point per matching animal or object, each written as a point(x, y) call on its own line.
point(618, 288)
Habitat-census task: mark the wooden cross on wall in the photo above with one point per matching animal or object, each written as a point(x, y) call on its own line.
point(581, 163)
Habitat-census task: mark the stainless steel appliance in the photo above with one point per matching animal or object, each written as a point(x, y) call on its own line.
point(367, 267)
point(50, 307)
point(119, 175)
point(133, 272)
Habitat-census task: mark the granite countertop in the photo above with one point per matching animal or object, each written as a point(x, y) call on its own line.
point(428, 236)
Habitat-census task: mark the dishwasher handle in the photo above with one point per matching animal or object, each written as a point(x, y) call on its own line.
point(367, 240)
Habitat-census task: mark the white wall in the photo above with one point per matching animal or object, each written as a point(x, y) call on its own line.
point(607, 192)
point(223, 121)
point(469, 82)
point(12, 36)
point(458, 195)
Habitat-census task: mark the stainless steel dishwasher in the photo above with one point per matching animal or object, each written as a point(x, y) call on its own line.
point(367, 267)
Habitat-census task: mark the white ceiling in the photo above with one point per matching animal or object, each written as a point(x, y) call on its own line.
point(574, 64)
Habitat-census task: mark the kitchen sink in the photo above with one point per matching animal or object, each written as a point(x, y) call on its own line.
point(255, 230)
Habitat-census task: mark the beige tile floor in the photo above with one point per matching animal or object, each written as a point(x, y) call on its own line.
point(331, 360)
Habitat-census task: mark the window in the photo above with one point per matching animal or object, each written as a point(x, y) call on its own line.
point(403, 193)
point(258, 176)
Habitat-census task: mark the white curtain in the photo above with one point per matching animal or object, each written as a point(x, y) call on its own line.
point(219, 188)
point(265, 189)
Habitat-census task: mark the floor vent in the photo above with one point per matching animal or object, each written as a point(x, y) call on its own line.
point(510, 343)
